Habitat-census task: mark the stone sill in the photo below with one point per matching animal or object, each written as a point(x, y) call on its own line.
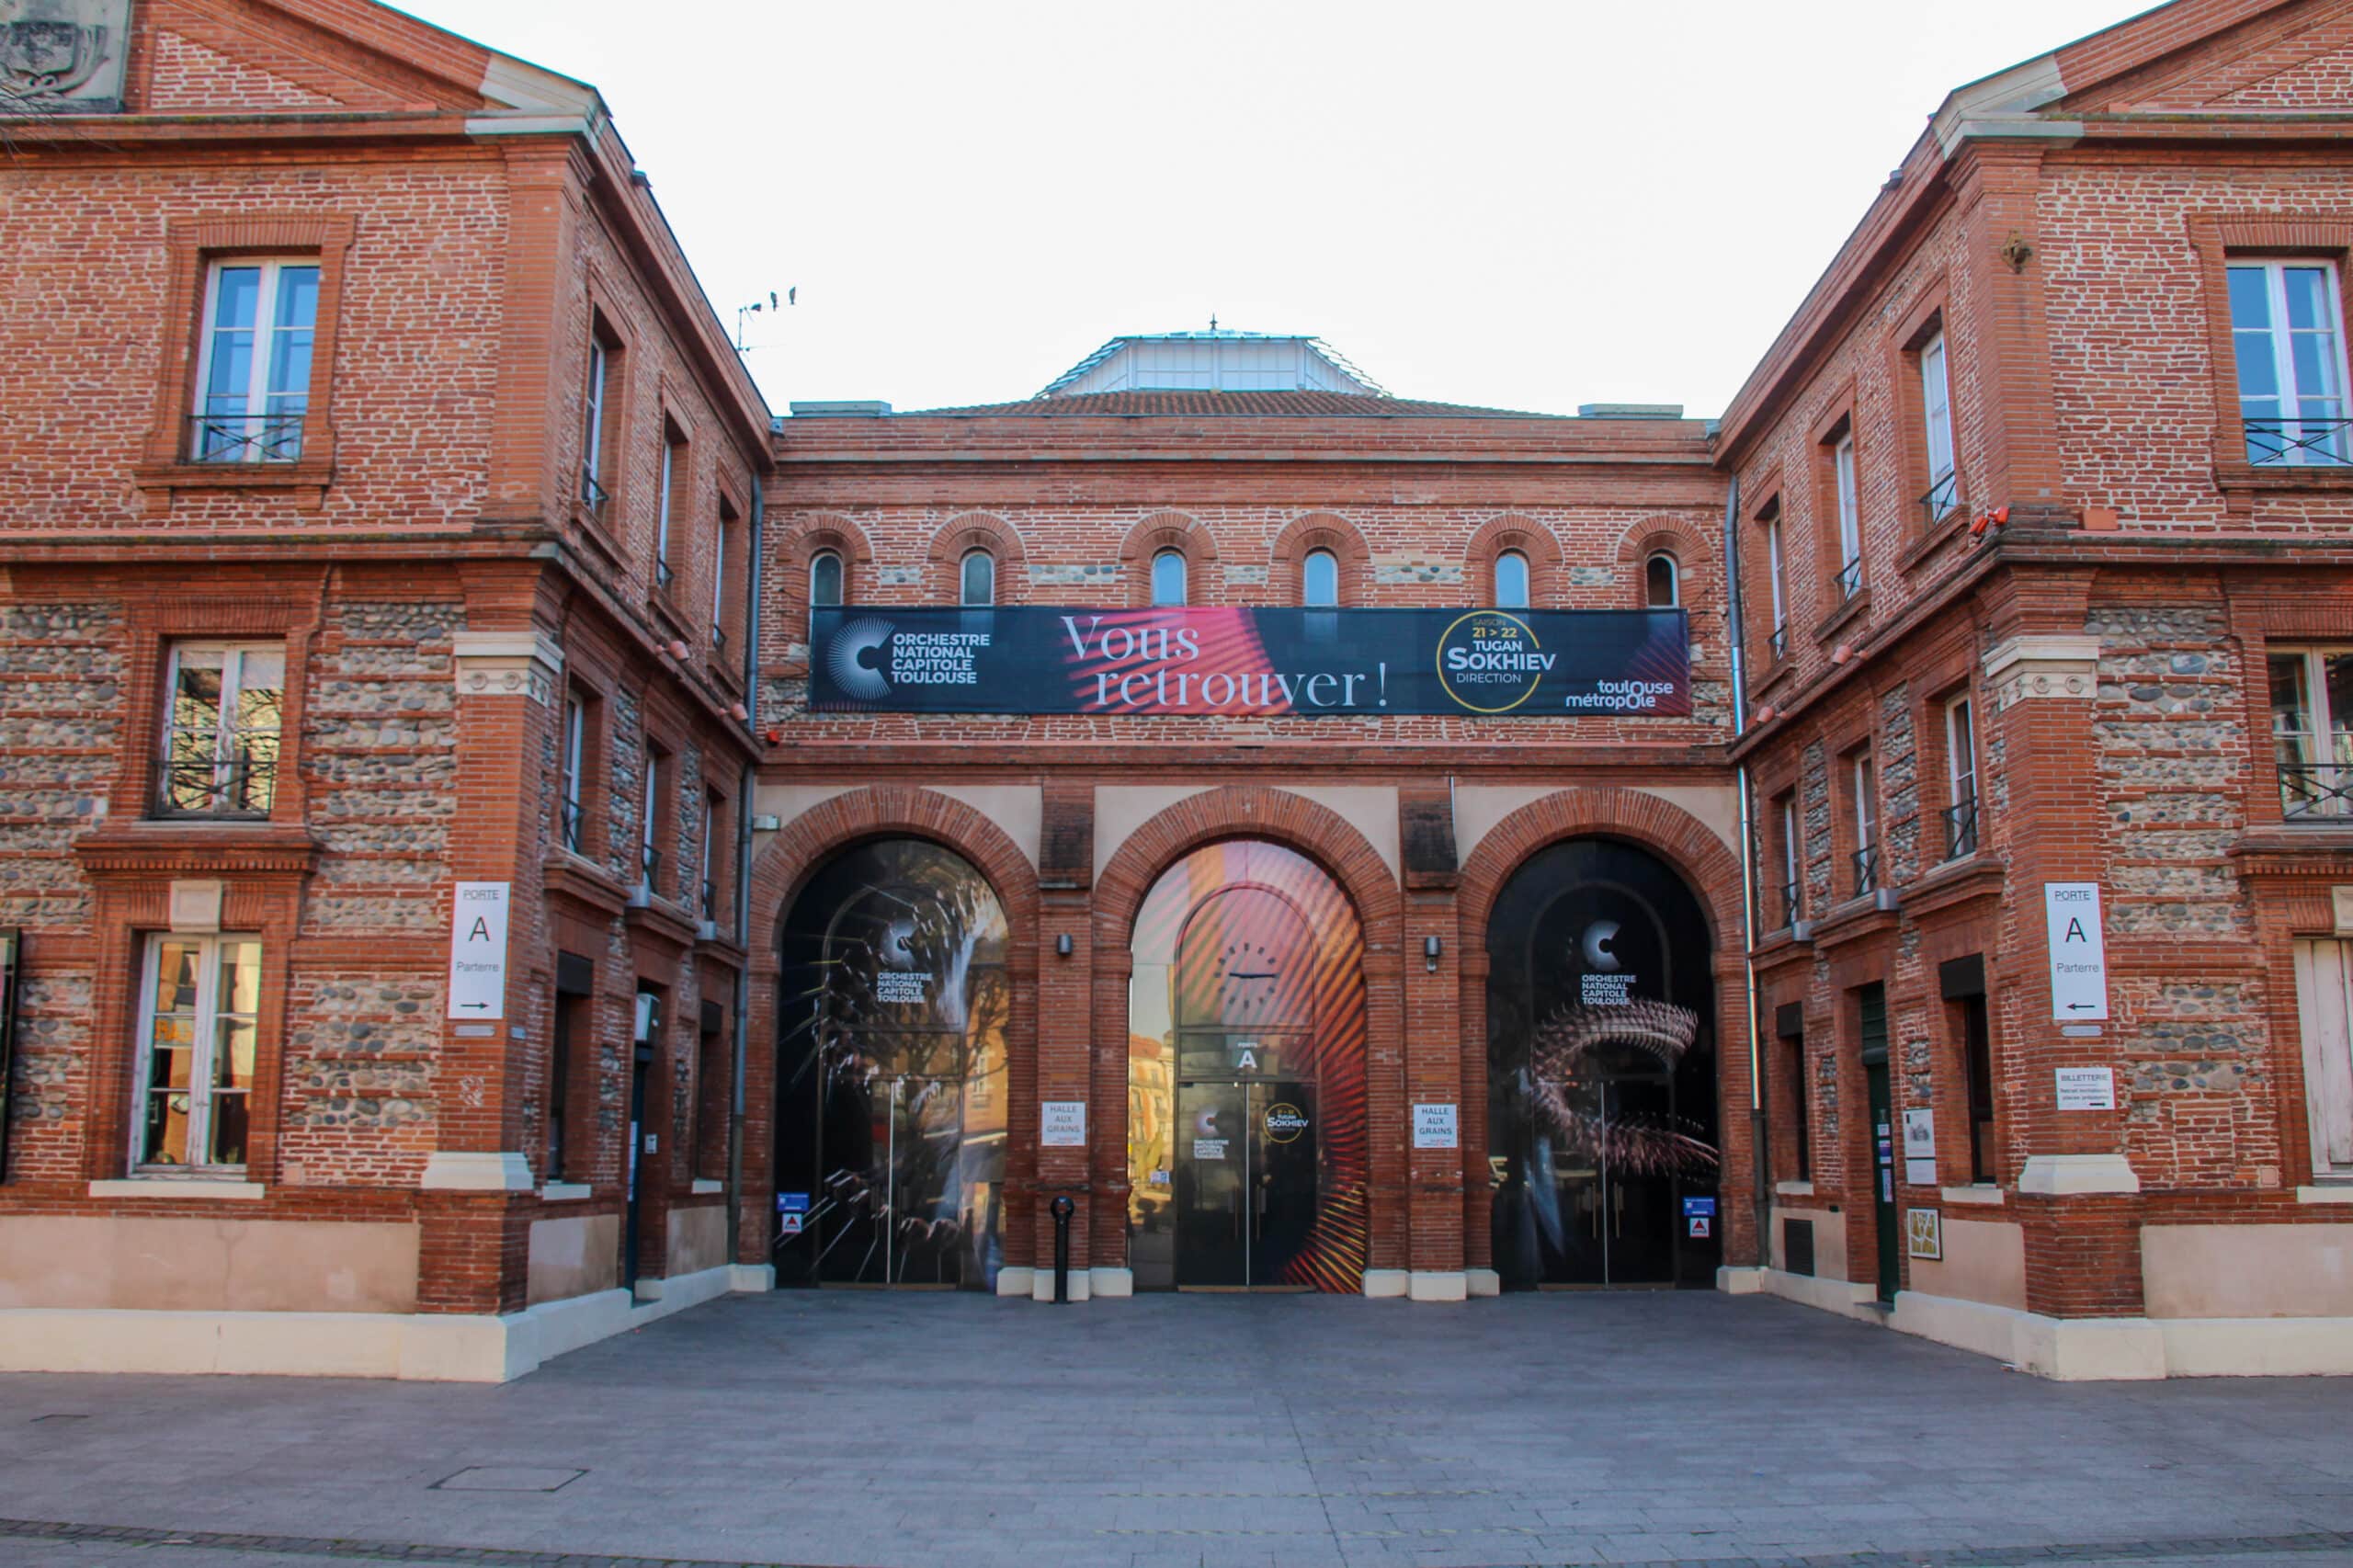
point(1935, 539)
point(703, 1187)
point(1855, 604)
point(564, 1191)
point(2326, 1192)
point(1989, 1195)
point(217, 1187)
point(1793, 1189)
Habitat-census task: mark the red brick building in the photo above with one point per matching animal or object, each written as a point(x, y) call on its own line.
point(480, 881)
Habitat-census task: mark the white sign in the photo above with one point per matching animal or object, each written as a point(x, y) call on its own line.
point(478, 952)
point(1435, 1127)
point(1924, 1234)
point(1062, 1124)
point(1920, 1148)
point(2078, 953)
point(2087, 1088)
point(1209, 1148)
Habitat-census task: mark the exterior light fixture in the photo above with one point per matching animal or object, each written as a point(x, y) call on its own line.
point(1062, 944)
point(1429, 953)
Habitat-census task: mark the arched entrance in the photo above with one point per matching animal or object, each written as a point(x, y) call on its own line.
point(893, 1005)
point(1247, 1151)
point(1602, 1072)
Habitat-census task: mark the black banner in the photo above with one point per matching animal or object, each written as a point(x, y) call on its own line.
point(1310, 663)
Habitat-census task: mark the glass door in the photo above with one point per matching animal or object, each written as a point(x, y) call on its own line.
point(1214, 1186)
point(1283, 1177)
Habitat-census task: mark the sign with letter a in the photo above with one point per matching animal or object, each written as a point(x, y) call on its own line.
point(478, 952)
point(2078, 952)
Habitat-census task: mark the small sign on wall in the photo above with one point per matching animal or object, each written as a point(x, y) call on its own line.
point(2087, 1088)
point(1436, 1127)
point(1924, 1235)
point(1920, 1148)
point(2078, 951)
point(478, 952)
point(1062, 1124)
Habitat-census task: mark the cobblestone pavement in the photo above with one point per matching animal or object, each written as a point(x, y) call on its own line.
point(852, 1428)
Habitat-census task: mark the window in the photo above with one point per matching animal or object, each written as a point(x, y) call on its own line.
point(1977, 1059)
point(1662, 582)
point(976, 581)
point(707, 1125)
point(1850, 527)
point(649, 858)
point(1793, 887)
point(1511, 580)
point(594, 491)
point(2325, 1000)
point(1936, 419)
point(719, 571)
point(824, 580)
point(222, 730)
point(1319, 580)
point(1961, 768)
point(1801, 1109)
point(707, 904)
point(1867, 866)
point(673, 467)
point(199, 1008)
point(1779, 640)
point(1168, 571)
point(253, 366)
point(2291, 355)
point(2311, 732)
point(574, 748)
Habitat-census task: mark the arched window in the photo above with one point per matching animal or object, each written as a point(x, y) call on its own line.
point(824, 580)
point(1511, 580)
point(1168, 577)
point(977, 582)
point(1319, 580)
point(1662, 582)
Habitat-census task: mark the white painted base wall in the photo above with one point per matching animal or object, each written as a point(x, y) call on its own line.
point(427, 1346)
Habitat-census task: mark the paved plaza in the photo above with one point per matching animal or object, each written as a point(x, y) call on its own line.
point(884, 1431)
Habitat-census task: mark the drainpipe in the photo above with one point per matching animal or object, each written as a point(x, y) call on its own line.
point(744, 884)
point(1760, 1197)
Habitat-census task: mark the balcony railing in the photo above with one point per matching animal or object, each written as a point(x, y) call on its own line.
point(711, 902)
point(1866, 871)
point(719, 640)
point(217, 787)
point(593, 495)
point(1780, 642)
point(663, 575)
point(569, 817)
point(2302, 442)
point(2316, 791)
point(1961, 828)
point(237, 438)
point(1789, 910)
point(1942, 499)
point(649, 866)
point(1850, 579)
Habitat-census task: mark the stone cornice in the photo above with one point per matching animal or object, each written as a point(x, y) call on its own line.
point(171, 848)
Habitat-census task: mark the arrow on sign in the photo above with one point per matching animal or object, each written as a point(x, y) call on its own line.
point(474, 1005)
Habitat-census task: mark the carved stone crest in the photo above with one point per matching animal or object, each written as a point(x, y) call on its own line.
point(62, 56)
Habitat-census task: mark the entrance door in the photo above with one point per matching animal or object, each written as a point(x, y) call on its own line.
point(1612, 1207)
point(889, 1211)
point(1246, 1181)
point(1883, 1137)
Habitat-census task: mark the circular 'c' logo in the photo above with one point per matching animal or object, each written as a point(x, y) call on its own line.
point(1490, 662)
point(1285, 1123)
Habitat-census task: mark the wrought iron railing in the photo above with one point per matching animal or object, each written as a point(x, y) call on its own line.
point(1789, 909)
point(2315, 790)
point(2302, 442)
point(569, 817)
point(1942, 499)
point(238, 437)
point(719, 639)
point(1961, 828)
point(1780, 642)
point(649, 865)
point(663, 575)
point(711, 902)
point(593, 495)
point(1866, 871)
point(242, 786)
point(1850, 579)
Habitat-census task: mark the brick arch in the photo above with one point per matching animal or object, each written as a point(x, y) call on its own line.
point(1318, 531)
point(1547, 579)
point(797, 543)
point(1689, 544)
point(966, 532)
point(1170, 530)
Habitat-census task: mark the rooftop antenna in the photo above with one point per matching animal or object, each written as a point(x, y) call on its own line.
point(743, 312)
point(1213, 321)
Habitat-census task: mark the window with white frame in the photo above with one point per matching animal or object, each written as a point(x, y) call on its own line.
point(673, 467)
point(223, 705)
point(594, 492)
point(1511, 580)
point(2312, 731)
point(718, 570)
point(1850, 522)
point(1866, 801)
point(976, 579)
point(824, 580)
point(2325, 1000)
point(1319, 580)
point(1169, 571)
point(1961, 770)
point(1936, 418)
point(709, 893)
point(1792, 889)
point(2290, 346)
point(1779, 640)
point(254, 360)
point(649, 858)
point(1662, 582)
point(575, 741)
point(198, 1021)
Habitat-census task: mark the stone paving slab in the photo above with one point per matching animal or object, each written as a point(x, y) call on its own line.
point(860, 1430)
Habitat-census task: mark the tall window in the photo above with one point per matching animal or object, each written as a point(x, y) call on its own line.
point(673, 463)
point(198, 1009)
point(649, 858)
point(1168, 571)
point(2312, 731)
point(1319, 580)
point(719, 571)
point(253, 368)
point(1850, 525)
point(1793, 887)
point(824, 580)
point(1662, 582)
point(221, 729)
point(1780, 642)
point(576, 742)
point(2325, 1000)
point(1936, 417)
point(2290, 351)
point(594, 491)
point(707, 897)
point(1511, 580)
point(1977, 1059)
point(1867, 866)
point(976, 580)
point(1801, 1119)
point(1960, 768)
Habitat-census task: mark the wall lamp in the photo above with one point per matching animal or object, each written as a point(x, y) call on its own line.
point(1429, 954)
point(1062, 944)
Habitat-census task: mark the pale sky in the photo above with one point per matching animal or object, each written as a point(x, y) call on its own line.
point(1525, 206)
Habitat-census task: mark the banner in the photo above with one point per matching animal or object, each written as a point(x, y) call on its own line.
point(1306, 662)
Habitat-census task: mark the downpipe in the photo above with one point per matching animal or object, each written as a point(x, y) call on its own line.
point(1760, 1196)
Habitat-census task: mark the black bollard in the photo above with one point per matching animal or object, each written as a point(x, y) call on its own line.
point(1063, 1208)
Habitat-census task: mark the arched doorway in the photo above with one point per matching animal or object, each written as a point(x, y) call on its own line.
point(1602, 1074)
point(893, 1006)
point(1247, 1152)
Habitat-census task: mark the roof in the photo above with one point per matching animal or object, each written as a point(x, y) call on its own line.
point(1225, 404)
point(1339, 361)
